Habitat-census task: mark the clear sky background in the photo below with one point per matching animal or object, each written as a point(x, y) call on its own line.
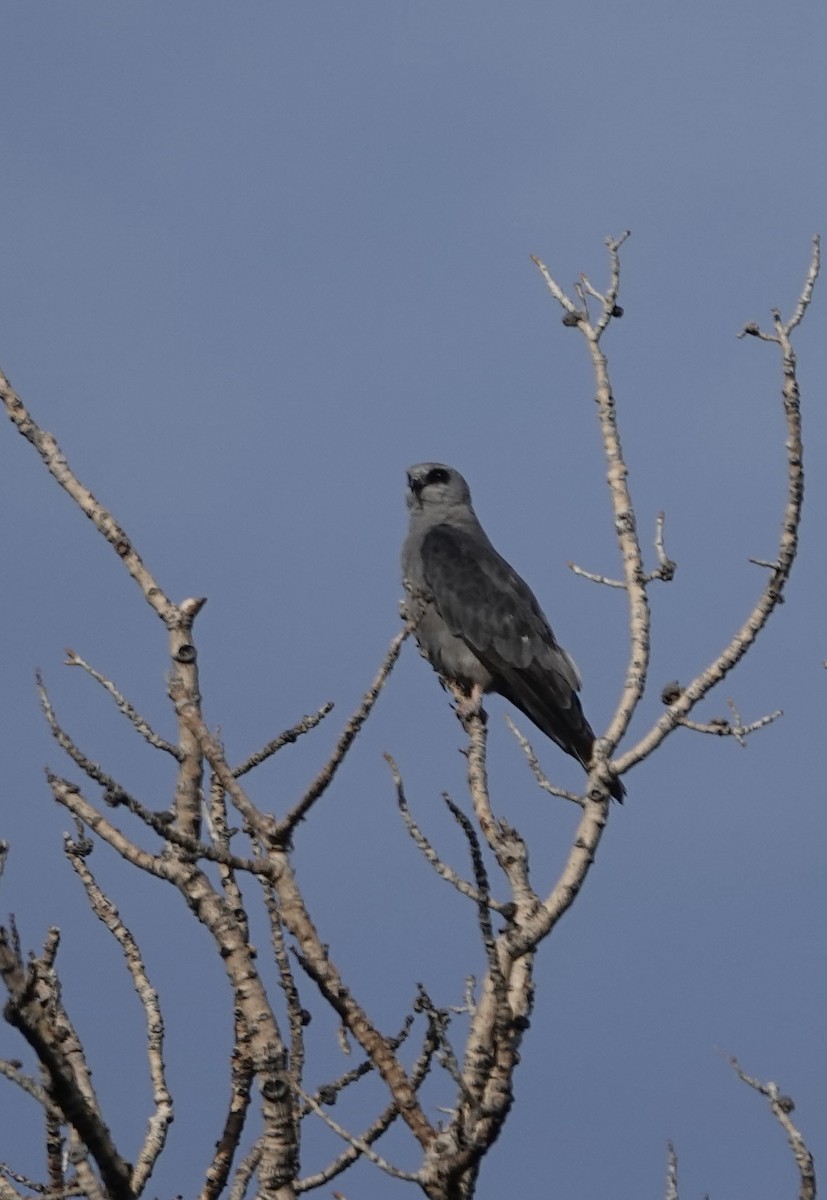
point(257, 259)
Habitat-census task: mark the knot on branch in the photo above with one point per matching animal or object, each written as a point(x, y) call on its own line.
point(572, 319)
point(276, 1088)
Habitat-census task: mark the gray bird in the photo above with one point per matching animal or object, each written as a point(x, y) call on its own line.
point(480, 625)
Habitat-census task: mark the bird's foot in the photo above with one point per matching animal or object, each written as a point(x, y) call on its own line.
point(468, 704)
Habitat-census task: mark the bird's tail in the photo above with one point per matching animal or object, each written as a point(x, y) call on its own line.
point(565, 724)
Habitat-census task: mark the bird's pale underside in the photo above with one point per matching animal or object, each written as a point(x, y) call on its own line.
point(479, 623)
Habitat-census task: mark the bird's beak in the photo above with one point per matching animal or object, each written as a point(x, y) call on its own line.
point(415, 485)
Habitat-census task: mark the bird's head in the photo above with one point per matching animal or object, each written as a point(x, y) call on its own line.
point(435, 486)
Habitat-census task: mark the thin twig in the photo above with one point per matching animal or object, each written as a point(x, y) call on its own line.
point(720, 727)
point(781, 1107)
point(422, 843)
point(666, 566)
point(319, 785)
point(96, 773)
point(57, 466)
point(438, 1020)
point(484, 901)
point(359, 1144)
point(129, 711)
point(296, 1015)
point(537, 770)
point(665, 570)
point(328, 1093)
point(286, 738)
point(594, 578)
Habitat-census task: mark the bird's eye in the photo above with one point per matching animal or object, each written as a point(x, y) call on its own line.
point(438, 475)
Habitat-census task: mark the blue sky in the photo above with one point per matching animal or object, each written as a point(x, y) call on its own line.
point(255, 260)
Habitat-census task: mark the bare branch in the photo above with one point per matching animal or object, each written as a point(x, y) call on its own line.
point(666, 566)
point(781, 1107)
point(316, 962)
point(500, 1014)
point(162, 824)
point(314, 955)
point(132, 715)
point(287, 738)
point(439, 1020)
point(216, 817)
point(115, 792)
point(348, 1156)
point(807, 291)
point(484, 899)
point(35, 1009)
point(537, 770)
point(323, 779)
point(772, 594)
point(671, 1173)
point(720, 727)
point(664, 571)
point(104, 522)
point(508, 847)
point(328, 1093)
point(572, 311)
point(242, 1073)
point(13, 1072)
point(230, 935)
point(358, 1144)
point(297, 1017)
point(189, 714)
point(178, 619)
point(245, 1172)
point(593, 578)
point(441, 868)
point(385, 1119)
point(752, 328)
point(624, 516)
point(107, 913)
point(610, 305)
point(69, 795)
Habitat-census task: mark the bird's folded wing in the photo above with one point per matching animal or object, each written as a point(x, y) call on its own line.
point(485, 602)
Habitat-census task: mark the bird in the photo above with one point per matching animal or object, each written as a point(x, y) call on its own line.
point(478, 622)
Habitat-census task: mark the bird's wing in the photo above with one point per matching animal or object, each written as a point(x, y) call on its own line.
point(485, 602)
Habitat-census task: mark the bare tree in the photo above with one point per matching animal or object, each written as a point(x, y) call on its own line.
point(213, 839)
